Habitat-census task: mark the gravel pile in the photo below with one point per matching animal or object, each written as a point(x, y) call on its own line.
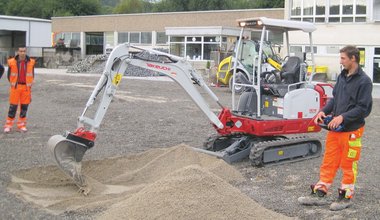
point(92, 63)
point(97, 64)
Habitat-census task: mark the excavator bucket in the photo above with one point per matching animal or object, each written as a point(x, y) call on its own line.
point(68, 154)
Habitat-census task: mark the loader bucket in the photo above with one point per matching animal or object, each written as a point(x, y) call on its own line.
point(68, 155)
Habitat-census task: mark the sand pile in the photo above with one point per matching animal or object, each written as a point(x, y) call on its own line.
point(169, 183)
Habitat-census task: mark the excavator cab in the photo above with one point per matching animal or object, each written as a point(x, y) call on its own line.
point(267, 87)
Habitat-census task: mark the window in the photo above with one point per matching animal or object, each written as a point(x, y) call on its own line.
point(177, 49)
point(146, 37)
point(177, 39)
point(376, 65)
point(135, 37)
point(194, 39)
point(123, 37)
point(361, 8)
point(332, 49)
point(161, 38)
point(308, 8)
point(109, 39)
point(295, 49)
point(194, 51)
point(296, 8)
point(307, 49)
point(334, 7)
point(70, 39)
point(376, 10)
point(348, 7)
point(177, 46)
point(334, 11)
point(320, 7)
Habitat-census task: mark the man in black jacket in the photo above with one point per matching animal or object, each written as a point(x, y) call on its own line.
point(350, 105)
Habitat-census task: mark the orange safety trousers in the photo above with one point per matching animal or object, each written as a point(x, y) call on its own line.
point(342, 151)
point(21, 95)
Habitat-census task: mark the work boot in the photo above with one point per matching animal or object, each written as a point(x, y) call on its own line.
point(317, 197)
point(343, 201)
point(7, 130)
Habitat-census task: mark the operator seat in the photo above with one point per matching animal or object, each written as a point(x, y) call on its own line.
point(290, 72)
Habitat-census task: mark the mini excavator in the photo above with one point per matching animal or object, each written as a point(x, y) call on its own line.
point(260, 127)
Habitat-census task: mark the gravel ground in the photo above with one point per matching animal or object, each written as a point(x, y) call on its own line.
point(147, 114)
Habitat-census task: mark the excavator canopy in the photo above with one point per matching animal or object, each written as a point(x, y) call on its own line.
point(276, 24)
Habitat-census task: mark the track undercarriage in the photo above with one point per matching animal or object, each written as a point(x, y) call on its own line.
point(263, 151)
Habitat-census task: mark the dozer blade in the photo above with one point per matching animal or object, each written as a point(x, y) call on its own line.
point(68, 154)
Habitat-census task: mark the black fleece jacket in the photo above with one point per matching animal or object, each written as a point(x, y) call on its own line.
point(352, 98)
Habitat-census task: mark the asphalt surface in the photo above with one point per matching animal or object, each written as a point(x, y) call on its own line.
point(147, 114)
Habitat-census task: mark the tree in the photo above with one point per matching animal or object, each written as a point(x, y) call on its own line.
point(133, 6)
point(76, 7)
point(3, 5)
point(47, 8)
point(31, 8)
point(192, 5)
point(269, 4)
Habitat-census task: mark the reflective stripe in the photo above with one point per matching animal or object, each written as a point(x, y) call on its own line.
point(348, 186)
point(321, 185)
point(352, 153)
point(355, 171)
point(12, 65)
point(8, 124)
point(355, 143)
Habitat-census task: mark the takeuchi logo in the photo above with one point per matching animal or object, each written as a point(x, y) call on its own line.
point(151, 65)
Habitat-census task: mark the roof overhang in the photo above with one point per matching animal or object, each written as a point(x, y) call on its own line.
point(5, 17)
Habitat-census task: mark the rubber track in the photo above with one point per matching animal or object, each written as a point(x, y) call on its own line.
point(258, 149)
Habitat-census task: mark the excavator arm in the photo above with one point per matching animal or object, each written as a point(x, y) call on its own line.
point(176, 68)
point(69, 149)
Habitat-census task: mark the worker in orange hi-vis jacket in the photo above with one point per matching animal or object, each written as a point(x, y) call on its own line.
point(20, 77)
point(344, 115)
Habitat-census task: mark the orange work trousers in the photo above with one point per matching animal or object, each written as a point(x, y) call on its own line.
point(342, 151)
point(20, 95)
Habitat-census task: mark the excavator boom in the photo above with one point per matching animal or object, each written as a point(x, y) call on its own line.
point(68, 149)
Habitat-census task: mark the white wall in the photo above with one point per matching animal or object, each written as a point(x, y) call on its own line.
point(40, 34)
point(341, 34)
point(13, 25)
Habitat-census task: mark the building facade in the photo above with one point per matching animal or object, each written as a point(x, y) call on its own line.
point(188, 34)
point(340, 23)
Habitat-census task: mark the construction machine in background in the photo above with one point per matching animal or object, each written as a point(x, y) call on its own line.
point(258, 126)
point(243, 56)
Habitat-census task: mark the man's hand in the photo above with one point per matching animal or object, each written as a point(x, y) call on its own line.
point(335, 122)
point(319, 118)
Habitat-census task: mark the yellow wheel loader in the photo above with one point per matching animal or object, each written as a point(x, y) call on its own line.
point(245, 63)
